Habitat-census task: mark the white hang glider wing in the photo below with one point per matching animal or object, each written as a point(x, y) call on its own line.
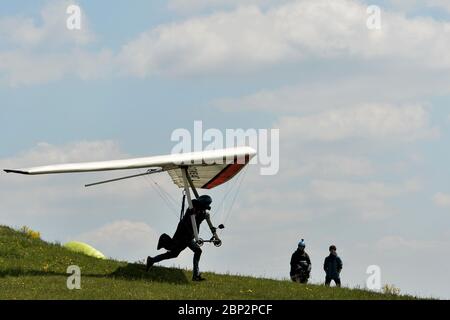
point(207, 169)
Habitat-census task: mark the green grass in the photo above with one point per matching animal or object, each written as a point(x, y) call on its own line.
point(34, 269)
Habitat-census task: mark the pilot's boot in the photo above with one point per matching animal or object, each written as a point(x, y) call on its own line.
point(150, 263)
point(198, 277)
point(164, 241)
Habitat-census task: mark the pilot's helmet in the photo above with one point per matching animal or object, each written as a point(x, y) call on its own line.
point(204, 202)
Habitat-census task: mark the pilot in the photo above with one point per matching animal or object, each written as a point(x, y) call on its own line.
point(300, 264)
point(184, 236)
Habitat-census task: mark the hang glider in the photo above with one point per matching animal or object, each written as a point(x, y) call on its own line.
point(207, 169)
point(203, 170)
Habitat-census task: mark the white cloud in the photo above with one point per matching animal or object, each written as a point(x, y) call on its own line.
point(261, 204)
point(397, 243)
point(311, 195)
point(406, 123)
point(443, 4)
point(190, 6)
point(20, 67)
point(355, 191)
point(33, 53)
point(442, 200)
point(27, 32)
point(248, 38)
point(420, 4)
point(45, 153)
point(389, 84)
point(367, 199)
point(329, 165)
point(122, 239)
point(397, 257)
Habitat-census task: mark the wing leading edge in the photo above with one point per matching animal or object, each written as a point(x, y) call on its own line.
point(207, 169)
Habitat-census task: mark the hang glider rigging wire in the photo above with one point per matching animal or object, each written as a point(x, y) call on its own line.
point(172, 204)
point(164, 195)
point(226, 213)
point(230, 208)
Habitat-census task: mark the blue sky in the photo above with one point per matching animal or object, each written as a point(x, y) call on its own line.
point(363, 118)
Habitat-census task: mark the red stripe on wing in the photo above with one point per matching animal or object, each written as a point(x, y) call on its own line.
point(226, 174)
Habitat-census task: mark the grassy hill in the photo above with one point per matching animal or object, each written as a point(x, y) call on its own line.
point(33, 269)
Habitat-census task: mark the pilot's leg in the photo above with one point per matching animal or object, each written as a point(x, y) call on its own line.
point(168, 255)
point(197, 254)
point(173, 246)
point(173, 253)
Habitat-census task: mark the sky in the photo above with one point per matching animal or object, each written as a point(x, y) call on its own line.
point(363, 118)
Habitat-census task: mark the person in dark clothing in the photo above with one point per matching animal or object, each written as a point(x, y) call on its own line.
point(300, 264)
point(333, 267)
point(184, 236)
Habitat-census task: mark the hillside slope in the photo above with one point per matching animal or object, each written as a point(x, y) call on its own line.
point(33, 269)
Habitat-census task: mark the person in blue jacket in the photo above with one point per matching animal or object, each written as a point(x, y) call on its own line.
point(333, 267)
